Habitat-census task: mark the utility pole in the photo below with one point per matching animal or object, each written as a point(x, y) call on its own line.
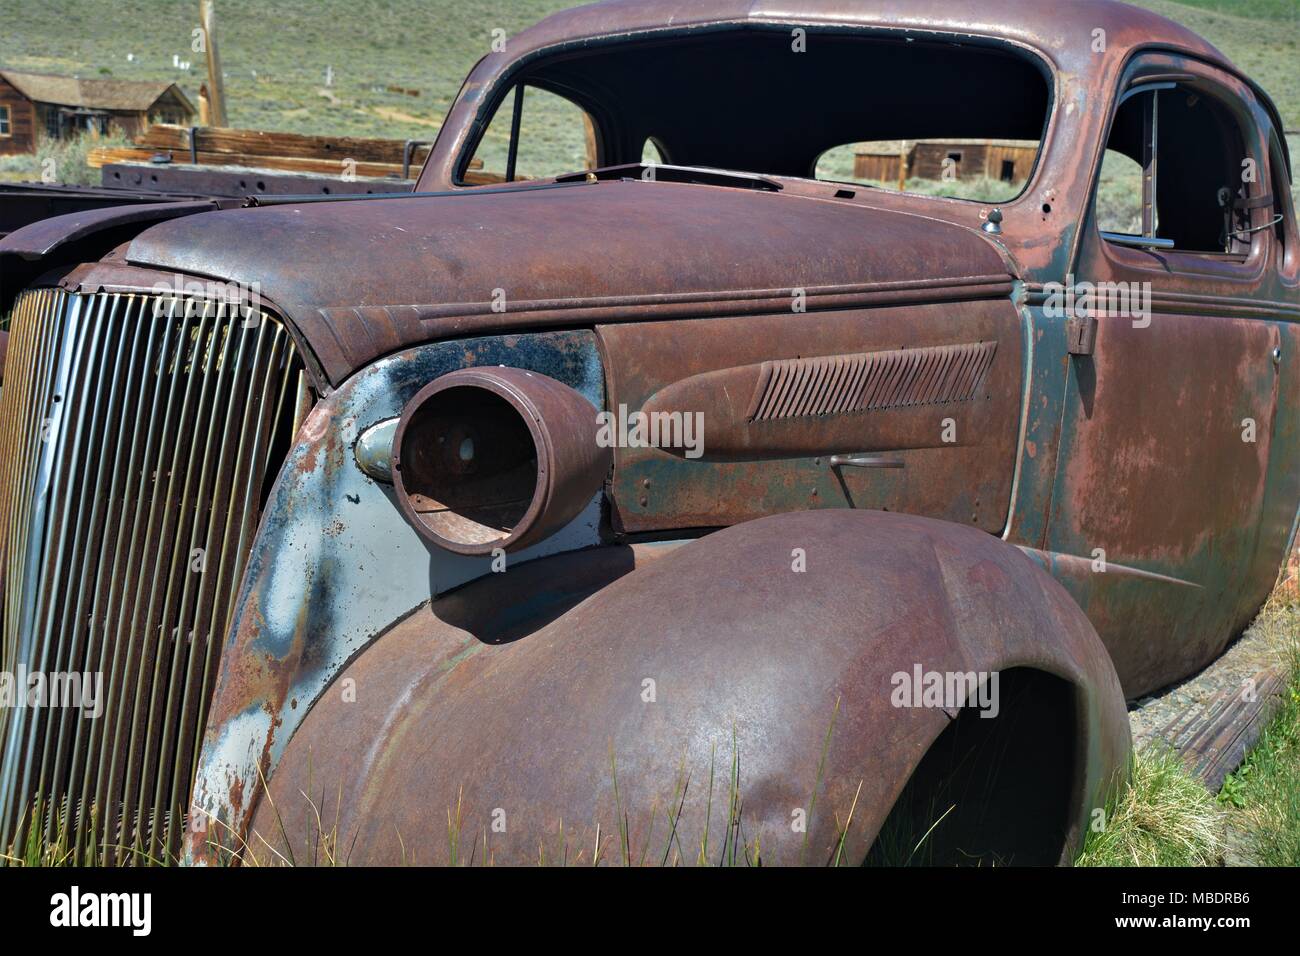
point(216, 87)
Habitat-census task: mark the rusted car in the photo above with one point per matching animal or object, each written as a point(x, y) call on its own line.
point(725, 502)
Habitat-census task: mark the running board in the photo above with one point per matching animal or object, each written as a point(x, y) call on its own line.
point(1213, 734)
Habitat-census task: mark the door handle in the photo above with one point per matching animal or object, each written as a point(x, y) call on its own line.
point(865, 461)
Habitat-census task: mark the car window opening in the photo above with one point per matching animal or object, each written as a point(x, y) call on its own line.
point(891, 113)
point(1176, 175)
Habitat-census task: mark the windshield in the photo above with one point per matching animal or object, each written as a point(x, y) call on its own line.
point(959, 120)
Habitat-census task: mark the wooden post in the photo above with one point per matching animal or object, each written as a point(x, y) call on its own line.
point(902, 165)
point(216, 87)
point(205, 106)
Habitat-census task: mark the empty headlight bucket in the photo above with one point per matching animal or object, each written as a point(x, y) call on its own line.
point(488, 458)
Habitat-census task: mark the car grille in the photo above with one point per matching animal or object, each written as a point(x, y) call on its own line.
point(139, 435)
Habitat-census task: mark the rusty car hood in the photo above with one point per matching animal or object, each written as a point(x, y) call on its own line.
point(360, 279)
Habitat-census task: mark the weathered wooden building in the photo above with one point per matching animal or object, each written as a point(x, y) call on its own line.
point(41, 104)
point(879, 162)
point(1008, 161)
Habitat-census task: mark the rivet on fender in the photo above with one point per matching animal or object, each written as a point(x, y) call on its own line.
point(374, 450)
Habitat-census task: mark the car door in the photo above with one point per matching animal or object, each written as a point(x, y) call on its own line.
point(1169, 441)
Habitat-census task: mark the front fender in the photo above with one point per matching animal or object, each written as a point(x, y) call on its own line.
point(717, 671)
point(334, 565)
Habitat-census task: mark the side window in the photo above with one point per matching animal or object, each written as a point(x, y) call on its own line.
point(1176, 174)
point(534, 134)
point(4, 121)
point(652, 153)
point(1119, 194)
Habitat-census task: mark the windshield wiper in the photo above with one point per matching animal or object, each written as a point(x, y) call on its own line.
point(675, 174)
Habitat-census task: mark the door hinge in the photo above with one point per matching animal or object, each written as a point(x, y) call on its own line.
point(1081, 334)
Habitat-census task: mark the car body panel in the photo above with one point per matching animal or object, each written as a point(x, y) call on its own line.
point(469, 264)
point(954, 453)
point(757, 668)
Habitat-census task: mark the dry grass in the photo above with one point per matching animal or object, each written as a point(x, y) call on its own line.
point(49, 840)
point(1167, 818)
point(664, 843)
point(1164, 818)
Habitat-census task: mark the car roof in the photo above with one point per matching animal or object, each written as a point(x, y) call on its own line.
point(1049, 27)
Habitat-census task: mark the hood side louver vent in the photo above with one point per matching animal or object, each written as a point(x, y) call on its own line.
point(867, 381)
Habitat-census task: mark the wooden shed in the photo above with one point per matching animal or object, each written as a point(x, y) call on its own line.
point(878, 162)
point(1006, 160)
point(36, 104)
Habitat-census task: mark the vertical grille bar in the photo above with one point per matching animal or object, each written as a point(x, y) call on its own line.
point(136, 432)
